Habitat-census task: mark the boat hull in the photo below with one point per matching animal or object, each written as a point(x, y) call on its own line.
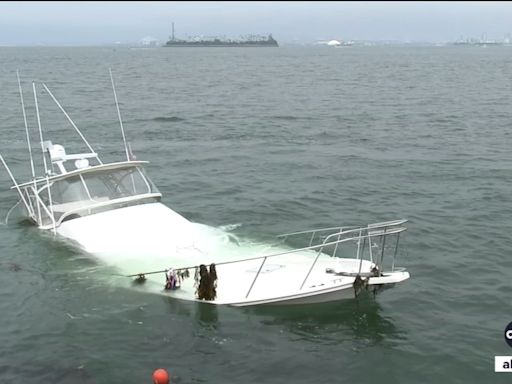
point(152, 237)
point(337, 293)
point(145, 236)
point(236, 285)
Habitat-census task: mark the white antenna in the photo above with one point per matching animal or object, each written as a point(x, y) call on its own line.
point(132, 156)
point(26, 127)
point(119, 115)
point(39, 126)
point(71, 121)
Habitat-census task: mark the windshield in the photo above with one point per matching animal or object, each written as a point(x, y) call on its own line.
point(90, 188)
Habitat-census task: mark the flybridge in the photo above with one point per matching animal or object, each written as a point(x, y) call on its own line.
point(69, 185)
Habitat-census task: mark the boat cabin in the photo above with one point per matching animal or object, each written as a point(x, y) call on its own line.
point(66, 194)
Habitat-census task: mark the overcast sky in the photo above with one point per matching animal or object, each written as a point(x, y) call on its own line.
point(91, 23)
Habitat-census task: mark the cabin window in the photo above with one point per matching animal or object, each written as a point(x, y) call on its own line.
point(116, 184)
point(68, 190)
point(80, 194)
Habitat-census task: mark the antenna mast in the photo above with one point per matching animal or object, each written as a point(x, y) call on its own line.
point(119, 115)
point(39, 126)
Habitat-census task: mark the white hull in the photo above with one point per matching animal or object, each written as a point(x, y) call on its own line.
point(163, 239)
point(149, 235)
point(273, 291)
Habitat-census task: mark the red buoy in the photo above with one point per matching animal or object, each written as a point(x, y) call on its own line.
point(160, 376)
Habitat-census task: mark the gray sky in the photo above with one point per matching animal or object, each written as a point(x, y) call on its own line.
point(91, 23)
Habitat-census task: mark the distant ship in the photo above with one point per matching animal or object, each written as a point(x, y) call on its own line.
point(255, 41)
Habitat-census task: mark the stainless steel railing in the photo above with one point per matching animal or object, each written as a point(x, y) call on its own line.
point(375, 230)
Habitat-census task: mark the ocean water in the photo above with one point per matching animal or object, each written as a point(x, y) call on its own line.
point(261, 142)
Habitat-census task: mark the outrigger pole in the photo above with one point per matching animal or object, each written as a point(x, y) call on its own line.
point(46, 170)
point(26, 127)
point(72, 123)
point(39, 127)
point(119, 115)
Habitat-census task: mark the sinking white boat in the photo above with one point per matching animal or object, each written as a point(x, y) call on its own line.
point(113, 211)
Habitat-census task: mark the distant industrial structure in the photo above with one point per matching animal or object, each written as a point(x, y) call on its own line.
point(482, 41)
point(217, 41)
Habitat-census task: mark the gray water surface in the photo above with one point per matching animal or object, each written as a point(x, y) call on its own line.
point(268, 141)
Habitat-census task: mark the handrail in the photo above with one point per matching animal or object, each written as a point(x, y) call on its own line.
point(318, 247)
point(388, 223)
point(313, 247)
point(372, 233)
point(369, 234)
point(315, 230)
point(353, 227)
point(16, 185)
point(256, 277)
point(53, 225)
point(311, 268)
point(373, 225)
point(360, 230)
point(397, 230)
